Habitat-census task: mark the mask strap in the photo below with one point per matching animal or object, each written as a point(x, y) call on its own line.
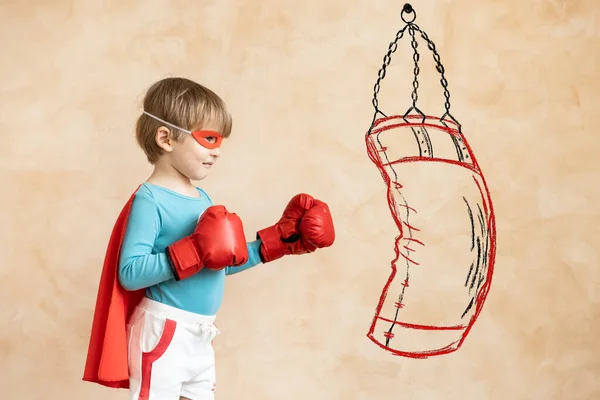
point(167, 123)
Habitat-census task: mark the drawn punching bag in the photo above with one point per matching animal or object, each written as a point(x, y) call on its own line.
point(444, 253)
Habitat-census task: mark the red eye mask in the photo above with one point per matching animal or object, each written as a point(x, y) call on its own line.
point(206, 138)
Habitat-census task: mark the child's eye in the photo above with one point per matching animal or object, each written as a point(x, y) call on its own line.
point(211, 139)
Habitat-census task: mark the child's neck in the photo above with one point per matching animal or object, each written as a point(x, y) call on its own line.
point(172, 179)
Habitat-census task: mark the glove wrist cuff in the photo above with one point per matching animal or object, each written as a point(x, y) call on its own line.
point(184, 258)
point(272, 248)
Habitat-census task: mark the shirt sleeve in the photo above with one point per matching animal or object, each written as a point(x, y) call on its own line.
point(139, 266)
point(253, 259)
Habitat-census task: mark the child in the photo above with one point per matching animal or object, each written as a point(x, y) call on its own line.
point(171, 248)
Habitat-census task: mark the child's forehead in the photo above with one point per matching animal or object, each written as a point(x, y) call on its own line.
point(209, 125)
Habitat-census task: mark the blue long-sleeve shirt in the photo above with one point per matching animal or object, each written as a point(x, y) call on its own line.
point(158, 218)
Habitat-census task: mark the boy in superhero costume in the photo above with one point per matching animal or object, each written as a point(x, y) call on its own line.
point(170, 249)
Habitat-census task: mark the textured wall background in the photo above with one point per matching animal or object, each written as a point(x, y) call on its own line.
point(298, 77)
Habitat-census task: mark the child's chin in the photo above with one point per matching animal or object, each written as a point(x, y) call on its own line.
point(199, 176)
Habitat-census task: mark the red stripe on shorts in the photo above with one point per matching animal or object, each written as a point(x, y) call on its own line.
point(149, 358)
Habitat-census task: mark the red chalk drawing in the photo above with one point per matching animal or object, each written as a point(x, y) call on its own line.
point(440, 203)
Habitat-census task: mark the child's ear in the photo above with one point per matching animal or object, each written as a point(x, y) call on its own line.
point(163, 139)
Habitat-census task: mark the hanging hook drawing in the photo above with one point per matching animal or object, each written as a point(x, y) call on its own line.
point(408, 9)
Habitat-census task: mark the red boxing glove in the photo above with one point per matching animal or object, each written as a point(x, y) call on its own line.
point(217, 242)
point(316, 226)
point(305, 226)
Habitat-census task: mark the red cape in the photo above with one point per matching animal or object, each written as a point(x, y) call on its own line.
point(106, 362)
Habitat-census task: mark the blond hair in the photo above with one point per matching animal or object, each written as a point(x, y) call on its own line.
point(183, 103)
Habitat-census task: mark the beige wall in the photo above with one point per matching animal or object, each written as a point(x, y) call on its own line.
point(524, 83)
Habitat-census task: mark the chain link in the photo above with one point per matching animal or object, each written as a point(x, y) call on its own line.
point(414, 44)
point(382, 71)
point(439, 67)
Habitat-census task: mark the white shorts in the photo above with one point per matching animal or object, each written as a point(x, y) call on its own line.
point(170, 353)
